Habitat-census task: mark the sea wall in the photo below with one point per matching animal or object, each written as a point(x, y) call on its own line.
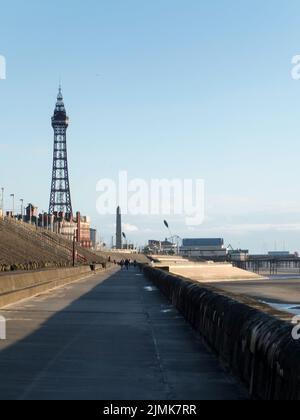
point(18, 286)
point(253, 340)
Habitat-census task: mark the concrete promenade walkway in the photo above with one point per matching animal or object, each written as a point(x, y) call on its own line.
point(112, 336)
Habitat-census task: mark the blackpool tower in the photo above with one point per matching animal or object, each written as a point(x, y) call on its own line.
point(60, 197)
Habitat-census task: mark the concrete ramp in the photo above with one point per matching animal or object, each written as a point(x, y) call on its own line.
point(212, 272)
point(204, 272)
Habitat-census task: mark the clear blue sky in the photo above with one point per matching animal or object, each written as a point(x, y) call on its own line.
point(167, 88)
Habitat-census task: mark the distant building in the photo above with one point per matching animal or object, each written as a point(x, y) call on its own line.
point(66, 228)
point(168, 247)
point(238, 255)
point(76, 227)
point(206, 249)
point(161, 247)
point(119, 241)
point(93, 237)
point(83, 231)
point(279, 254)
point(203, 243)
point(154, 246)
point(31, 214)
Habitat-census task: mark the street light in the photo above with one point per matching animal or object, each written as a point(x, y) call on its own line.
point(172, 236)
point(168, 227)
point(2, 201)
point(13, 204)
point(22, 208)
point(124, 236)
point(30, 213)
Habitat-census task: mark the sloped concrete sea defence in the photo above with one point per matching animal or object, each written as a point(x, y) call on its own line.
point(33, 265)
point(19, 286)
point(252, 339)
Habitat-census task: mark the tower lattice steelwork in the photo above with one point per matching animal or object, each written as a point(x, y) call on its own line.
point(60, 197)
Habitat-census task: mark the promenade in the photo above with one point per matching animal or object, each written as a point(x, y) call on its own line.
point(111, 336)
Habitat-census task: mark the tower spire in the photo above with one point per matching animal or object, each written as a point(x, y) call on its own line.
point(60, 106)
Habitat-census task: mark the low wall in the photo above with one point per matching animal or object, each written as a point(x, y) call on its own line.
point(18, 286)
point(253, 340)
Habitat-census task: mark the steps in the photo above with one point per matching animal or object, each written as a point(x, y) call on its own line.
point(25, 247)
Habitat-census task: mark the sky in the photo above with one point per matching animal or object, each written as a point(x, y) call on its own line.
point(162, 89)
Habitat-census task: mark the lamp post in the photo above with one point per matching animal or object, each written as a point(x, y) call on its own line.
point(168, 227)
point(124, 236)
point(13, 204)
point(74, 253)
point(2, 201)
point(22, 208)
point(172, 236)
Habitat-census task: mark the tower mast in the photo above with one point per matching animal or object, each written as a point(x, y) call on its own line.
point(60, 197)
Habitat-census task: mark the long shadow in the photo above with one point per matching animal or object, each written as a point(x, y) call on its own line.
point(106, 340)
